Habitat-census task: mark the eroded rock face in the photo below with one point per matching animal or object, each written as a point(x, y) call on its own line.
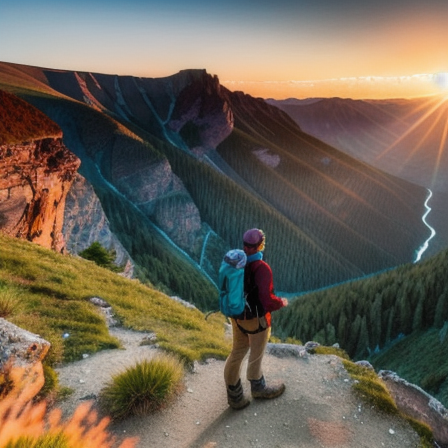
point(85, 223)
point(202, 114)
point(34, 180)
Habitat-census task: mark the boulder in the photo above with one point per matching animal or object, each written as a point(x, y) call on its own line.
point(21, 355)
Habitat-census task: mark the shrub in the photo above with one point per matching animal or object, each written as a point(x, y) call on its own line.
point(100, 256)
point(143, 388)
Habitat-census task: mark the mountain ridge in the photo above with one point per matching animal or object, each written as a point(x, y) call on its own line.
point(309, 193)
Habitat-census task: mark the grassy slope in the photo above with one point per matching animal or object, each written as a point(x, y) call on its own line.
point(21, 122)
point(51, 292)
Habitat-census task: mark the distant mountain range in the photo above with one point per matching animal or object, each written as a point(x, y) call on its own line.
point(404, 137)
point(181, 166)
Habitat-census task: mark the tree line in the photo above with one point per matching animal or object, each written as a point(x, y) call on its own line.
point(366, 315)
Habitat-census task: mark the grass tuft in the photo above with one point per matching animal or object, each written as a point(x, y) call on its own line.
point(324, 350)
point(424, 431)
point(9, 302)
point(44, 441)
point(370, 387)
point(143, 388)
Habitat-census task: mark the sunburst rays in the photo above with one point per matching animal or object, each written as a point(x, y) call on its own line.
point(427, 121)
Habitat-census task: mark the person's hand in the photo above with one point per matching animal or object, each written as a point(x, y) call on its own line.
point(285, 302)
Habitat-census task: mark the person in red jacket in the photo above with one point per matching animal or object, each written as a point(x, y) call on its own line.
point(251, 330)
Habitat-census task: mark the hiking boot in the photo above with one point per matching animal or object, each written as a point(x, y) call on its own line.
point(260, 390)
point(235, 396)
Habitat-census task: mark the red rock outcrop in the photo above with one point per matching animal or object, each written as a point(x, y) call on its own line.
point(34, 180)
point(36, 171)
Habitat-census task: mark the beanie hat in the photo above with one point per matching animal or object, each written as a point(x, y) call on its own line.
point(236, 258)
point(253, 237)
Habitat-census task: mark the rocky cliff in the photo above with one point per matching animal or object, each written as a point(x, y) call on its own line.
point(35, 179)
point(85, 223)
point(37, 174)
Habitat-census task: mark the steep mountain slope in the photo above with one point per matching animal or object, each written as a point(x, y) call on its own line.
point(406, 138)
point(399, 318)
point(185, 162)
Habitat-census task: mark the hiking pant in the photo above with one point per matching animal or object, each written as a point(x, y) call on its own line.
point(255, 344)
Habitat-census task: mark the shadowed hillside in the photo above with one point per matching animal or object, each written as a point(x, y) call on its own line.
point(183, 166)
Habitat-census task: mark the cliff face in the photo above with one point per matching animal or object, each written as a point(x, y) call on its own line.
point(36, 172)
point(34, 180)
point(85, 223)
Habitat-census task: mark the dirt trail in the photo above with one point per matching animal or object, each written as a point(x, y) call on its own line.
point(318, 408)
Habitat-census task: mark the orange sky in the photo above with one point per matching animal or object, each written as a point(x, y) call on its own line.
point(357, 88)
point(287, 48)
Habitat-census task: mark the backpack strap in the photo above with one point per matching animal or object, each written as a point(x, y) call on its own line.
point(252, 298)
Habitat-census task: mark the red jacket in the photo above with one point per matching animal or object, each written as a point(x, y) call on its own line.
point(260, 273)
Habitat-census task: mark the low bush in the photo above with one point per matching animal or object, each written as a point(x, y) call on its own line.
point(143, 388)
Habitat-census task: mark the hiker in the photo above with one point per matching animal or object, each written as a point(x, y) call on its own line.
point(251, 330)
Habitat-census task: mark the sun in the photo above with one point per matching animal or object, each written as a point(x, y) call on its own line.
point(441, 79)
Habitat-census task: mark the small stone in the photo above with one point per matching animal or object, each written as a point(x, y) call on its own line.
point(391, 431)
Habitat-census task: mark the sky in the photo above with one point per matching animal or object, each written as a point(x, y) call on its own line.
point(271, 49)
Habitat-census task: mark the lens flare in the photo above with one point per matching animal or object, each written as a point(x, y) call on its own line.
point(441, 79)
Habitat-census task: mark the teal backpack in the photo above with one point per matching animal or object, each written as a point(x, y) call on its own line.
point(232, 300)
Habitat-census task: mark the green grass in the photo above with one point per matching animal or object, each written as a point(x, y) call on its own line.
point(370, 387)
point(143, 388)
point(325, 350)
point(52, 292)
